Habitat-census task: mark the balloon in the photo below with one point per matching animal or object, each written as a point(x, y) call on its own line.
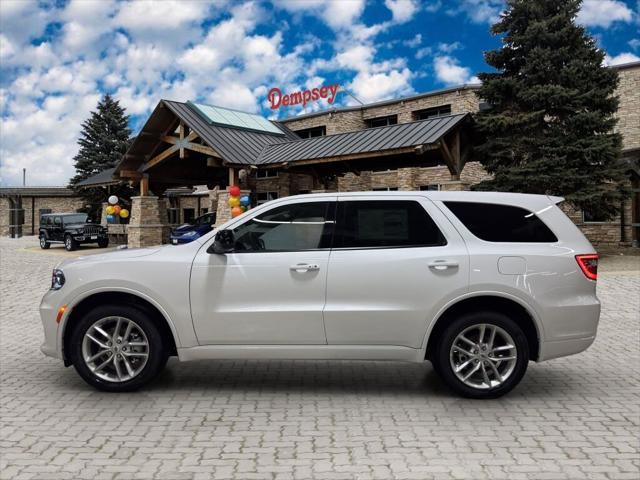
point(234, 202)
point(244, 208)
point(117, 209)
point(113, 199)
point(111, 218)
point(245, 200)
point(124, 213)
point(235, 211)
point(109, 210)
point(234, 191)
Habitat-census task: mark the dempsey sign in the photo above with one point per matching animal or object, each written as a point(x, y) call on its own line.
point(277, 99)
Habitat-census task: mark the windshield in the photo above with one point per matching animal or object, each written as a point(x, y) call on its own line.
point(79, 218)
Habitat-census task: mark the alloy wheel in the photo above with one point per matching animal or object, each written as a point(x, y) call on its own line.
point(115, 349)
point(483, 356)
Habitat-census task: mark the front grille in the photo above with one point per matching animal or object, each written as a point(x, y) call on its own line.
point(92, 230)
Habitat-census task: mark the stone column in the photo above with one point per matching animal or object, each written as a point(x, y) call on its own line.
point(148, 224)
point(103, 214)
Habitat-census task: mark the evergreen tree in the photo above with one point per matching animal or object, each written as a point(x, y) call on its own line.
point(103, 140)
point(550, 126)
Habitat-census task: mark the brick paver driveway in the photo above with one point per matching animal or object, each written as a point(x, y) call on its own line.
point(570, 418)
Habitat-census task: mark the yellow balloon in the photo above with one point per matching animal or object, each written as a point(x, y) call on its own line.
point(124, 213)
point(234, 201)
point(110, 210)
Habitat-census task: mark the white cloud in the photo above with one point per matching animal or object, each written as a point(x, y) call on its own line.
point(621, 59)
point(479, 11)
point(449, 71)
point(337, 14)
point(603, 13)
point(370, 87)
point(413, 42)
point(402, 10)
point(634, 43)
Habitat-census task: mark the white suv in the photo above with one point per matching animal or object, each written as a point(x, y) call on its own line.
point(476, 283)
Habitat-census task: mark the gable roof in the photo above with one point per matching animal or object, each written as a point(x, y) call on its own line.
point(102, 178)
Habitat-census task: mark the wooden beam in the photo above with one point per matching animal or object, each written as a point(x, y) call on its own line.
point(449, 159)
point(159, 158)
point(144, 185)
point(181, 130)
point(133, 174)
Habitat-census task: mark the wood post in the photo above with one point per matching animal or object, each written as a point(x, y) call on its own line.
point(144, 185)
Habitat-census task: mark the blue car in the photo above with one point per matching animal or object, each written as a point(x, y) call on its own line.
point(195, 229)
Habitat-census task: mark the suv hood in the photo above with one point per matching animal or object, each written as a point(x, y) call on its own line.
point(81, 225)
point(115, 255)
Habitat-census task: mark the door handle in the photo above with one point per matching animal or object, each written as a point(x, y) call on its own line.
point(304, 267)
point(443, 264)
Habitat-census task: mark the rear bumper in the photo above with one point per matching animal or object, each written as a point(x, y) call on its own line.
point(563, 348)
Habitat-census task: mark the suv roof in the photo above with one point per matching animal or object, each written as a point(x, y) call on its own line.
point(61, 214)
point(529, 200)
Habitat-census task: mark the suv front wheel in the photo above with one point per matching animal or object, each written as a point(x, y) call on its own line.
point(117, 348)
point(69, 243)
point(482, 355)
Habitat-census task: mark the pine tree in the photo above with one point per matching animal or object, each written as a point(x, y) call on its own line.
point(103, 140)
point(549, 129)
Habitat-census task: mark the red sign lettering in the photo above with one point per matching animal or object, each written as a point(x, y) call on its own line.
point(277, 98)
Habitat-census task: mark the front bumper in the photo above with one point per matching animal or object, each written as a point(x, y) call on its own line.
point(48, 311)
point(89, 238)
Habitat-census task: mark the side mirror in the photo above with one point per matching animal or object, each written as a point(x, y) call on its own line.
point(223, 243)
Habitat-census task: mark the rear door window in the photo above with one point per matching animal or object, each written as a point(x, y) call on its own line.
point(385, 224)
point(501, 223)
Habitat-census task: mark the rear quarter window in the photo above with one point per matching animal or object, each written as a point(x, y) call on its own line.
point(501, 223)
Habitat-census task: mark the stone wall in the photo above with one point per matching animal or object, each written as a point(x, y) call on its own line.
point(603, 233)
point(29, 203)
point(461, 101)
point(629, 108)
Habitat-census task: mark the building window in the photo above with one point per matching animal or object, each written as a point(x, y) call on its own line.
point(266, 197)
point(269, 173)
point(303, 192)
point(203, 211)
point(385, 189)
point(320, 131)
point(382, 121)
point(173, 215)
point(432, 112)
point(593, 217)
point(432, 187)
point(188, 214)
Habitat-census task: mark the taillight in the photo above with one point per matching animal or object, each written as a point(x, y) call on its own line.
point(589, 265)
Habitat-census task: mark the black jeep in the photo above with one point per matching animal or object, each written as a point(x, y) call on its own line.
point(72, 229)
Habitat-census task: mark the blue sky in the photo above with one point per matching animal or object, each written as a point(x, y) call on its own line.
point(58, 58)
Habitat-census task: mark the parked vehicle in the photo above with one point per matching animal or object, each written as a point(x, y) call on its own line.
point(195, 229)
point(477, 283)
point(72, 229)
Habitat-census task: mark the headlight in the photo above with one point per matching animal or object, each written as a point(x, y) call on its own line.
point(78, 230)
point(57, 279)
point(190, 234)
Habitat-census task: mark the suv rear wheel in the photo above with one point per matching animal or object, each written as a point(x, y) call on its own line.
point(482, 355)
point(44, 243)
point(69, 243)
point(117, 348)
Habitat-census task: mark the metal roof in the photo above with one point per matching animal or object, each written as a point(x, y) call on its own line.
point(105, 177)
point(37, 191)
point(393, 137)
point(235, 145)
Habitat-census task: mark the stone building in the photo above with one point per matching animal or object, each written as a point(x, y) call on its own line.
point(21, 207)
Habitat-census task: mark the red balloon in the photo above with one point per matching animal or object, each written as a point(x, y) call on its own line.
point(234, 191)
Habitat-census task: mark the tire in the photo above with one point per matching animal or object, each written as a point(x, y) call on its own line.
point(103, 243)
point(503, 375)
point(108, 378)
point(69, 243)
point(44, 244)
